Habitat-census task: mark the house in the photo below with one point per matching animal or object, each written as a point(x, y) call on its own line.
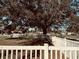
point(32, 29)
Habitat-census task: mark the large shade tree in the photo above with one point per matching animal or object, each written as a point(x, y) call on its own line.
point(40, 13)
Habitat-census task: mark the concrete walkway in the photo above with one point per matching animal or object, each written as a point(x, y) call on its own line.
point(62, 42)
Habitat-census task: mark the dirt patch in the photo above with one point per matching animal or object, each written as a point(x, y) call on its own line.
point(12, 42)
point(24, 42)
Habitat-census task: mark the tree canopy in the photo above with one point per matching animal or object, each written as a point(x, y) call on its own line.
point(40, 13)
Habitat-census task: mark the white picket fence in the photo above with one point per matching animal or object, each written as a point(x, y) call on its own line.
point(38, 52)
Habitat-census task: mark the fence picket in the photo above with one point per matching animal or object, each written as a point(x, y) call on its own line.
point(51, 53)
point(55, 54)
point(6, 54)
point(35, 54)
point(46, 53)
point(25, 54)
point(40, 54)
point(75, 54)
point(30, 54)
point(65, 54)
point(2, 54)
point(16, 54)
point(21, 53)
point(70, 54)
point(60, 54)
point(11, 54)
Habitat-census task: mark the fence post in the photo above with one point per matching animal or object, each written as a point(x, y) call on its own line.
point(46, 51)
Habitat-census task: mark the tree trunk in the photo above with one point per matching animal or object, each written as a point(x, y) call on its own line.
point(44, 30)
